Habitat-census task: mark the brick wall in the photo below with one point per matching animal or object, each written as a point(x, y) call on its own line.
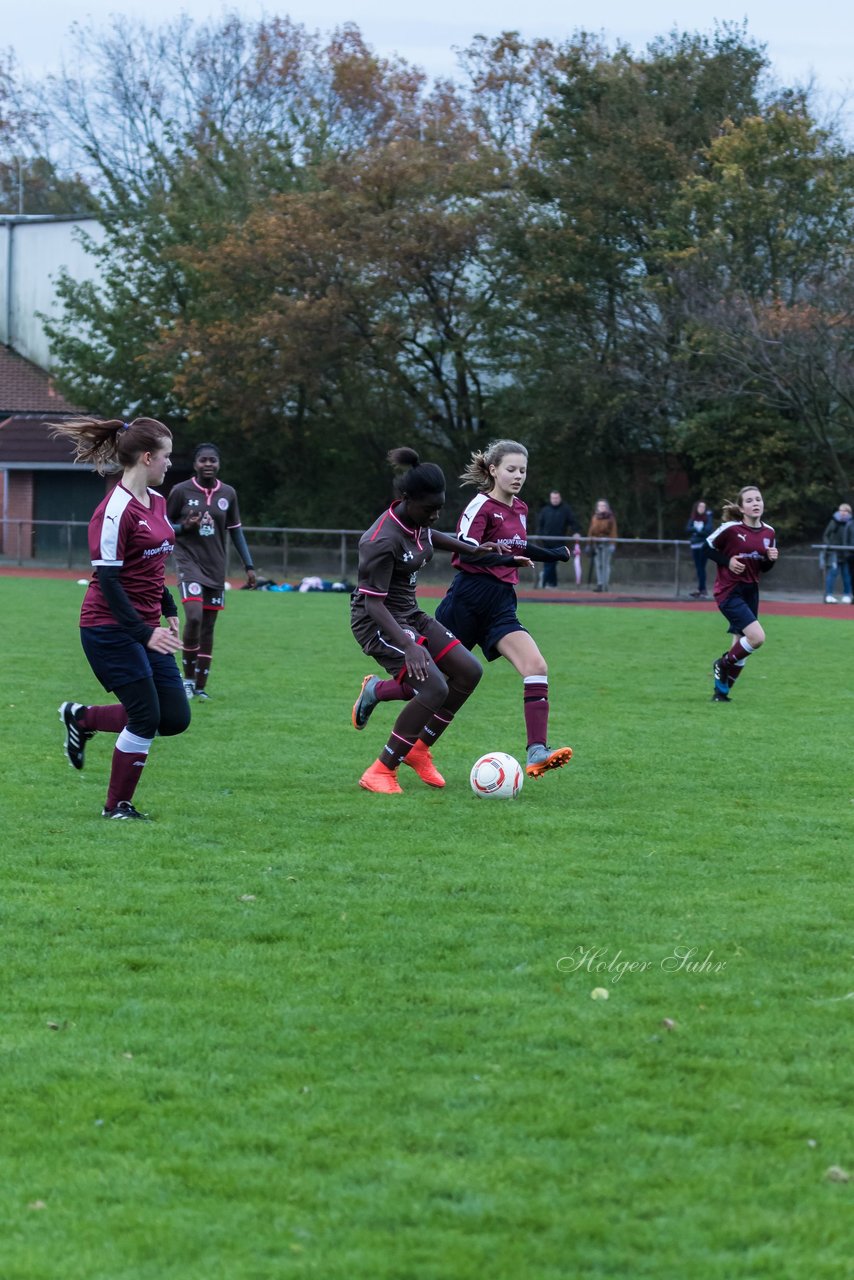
point(17, 540)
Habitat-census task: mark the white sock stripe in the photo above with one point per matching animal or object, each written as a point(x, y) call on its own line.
point(535, 680)
point(132, 745)
point(745, 644)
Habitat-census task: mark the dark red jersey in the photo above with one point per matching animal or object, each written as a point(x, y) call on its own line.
point(485, 520)
point(200, 552)
point(750, 545)
point(125, 534)
point(390, 556)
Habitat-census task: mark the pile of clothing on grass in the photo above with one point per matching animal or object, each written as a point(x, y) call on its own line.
point(307, 584)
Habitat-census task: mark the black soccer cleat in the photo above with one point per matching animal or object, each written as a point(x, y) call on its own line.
point(201, 695)
point(76, 736)
point(722, 684)
point(124, 809)
point(721, 697)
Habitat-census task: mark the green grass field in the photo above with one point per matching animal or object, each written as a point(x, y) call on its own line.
point(290, 1028)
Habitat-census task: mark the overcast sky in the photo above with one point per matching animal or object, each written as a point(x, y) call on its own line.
point(803, 39)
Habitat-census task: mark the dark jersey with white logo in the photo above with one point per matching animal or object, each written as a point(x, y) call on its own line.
point(390, 556)
point(126, 535)
point(750, 545)
point(487, 520)
point(200, 552)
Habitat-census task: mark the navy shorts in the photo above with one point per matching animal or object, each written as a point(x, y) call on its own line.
point(117, 660)
point(741, 607)
point(480, 609)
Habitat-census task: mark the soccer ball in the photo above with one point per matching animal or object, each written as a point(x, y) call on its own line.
point(496, 776)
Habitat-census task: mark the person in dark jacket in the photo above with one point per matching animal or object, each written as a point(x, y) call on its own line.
point(838, 534)
point(555, 520)
point(698, 528)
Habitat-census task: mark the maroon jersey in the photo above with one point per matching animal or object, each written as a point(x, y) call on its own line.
point(485, 520)
point(126, 535)
point(750, 545)
point(390, 556)
point(200, 553)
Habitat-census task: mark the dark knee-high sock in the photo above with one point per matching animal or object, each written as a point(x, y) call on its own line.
point(129, 757)
point(436, 726)
point(203, 670)
point(189, 657)
point(535, 693)
point(392, 691)
point(735, 659)
point(407, 728)
point(109, 719)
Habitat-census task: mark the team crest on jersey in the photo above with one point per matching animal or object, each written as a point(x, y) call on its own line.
point(222, 503)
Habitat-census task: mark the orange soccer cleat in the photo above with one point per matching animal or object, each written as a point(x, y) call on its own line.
point(380, 779)
point(541, 759)
point(421, 761)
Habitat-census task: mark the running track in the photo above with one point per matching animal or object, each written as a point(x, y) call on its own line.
point(788, 608)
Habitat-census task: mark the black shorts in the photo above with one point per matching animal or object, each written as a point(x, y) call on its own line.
point(118, 660)
point(195, 592)
point(741, 607)
point(389, 655)
point(480, 609)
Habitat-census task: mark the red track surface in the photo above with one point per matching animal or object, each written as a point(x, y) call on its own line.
point(802, 608)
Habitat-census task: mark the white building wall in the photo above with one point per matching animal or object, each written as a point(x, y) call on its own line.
point(33, 251)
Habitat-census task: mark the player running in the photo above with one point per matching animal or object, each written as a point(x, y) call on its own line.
point(121, 630)
point(480, 606)
point(438, 673)
point(202, 510)
point(743, 547)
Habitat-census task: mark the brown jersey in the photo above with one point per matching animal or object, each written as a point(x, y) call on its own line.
point(390, 556)
point(200, 551)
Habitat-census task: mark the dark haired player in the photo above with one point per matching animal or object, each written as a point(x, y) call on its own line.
point(391, 628)
point(202, 510)
point(743, 547)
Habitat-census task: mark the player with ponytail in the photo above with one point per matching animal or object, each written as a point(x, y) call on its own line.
point(743, 548)
point(129, 647)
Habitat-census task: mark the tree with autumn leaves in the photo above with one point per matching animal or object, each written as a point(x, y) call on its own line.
point(630, 261)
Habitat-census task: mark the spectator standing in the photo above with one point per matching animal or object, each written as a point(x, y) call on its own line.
point(555, 520)
point(603, 529)
point(698, 528)
point(838, 537)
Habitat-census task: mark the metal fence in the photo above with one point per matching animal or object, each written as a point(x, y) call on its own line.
point(281, 554)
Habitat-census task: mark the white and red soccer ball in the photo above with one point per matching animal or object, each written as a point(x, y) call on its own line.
point(496, 776)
